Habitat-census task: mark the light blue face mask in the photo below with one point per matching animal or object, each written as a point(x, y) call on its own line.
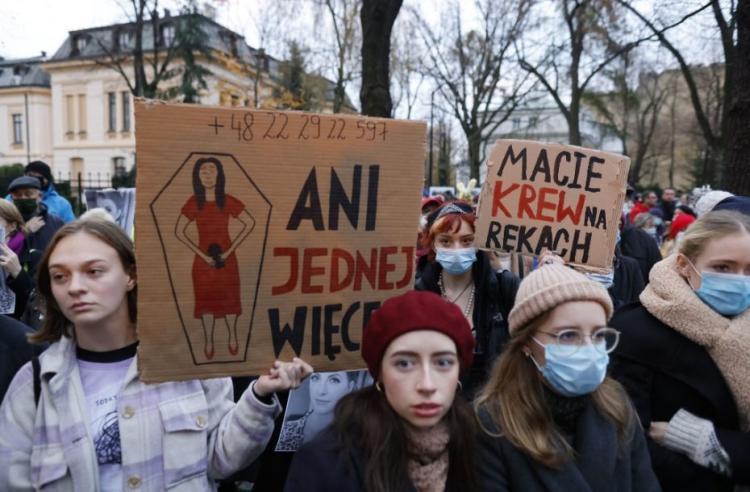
point(456, 261)
point(726, 293)
point(574, 374)
point(605, 279)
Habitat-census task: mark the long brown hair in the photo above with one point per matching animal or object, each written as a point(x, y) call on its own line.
point(56, 325)
point(366, 423)
point(11, 215)
point(514, 399)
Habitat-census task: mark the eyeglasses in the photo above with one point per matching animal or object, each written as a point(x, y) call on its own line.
point(569, 341)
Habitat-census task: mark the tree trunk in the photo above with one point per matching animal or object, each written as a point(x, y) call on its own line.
point(377, 17)
point(736, 175)
point(475, 148)
point(574, 122)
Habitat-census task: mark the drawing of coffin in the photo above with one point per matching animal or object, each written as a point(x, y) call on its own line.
point(212, 221)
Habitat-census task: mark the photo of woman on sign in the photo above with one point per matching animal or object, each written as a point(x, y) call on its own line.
point(216, 278)
point(311, 406)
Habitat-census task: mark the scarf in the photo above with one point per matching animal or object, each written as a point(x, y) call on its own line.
point(428, 457)
point(670, 299)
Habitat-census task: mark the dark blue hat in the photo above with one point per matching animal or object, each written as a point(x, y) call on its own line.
point(25, 182)
point(738, 203)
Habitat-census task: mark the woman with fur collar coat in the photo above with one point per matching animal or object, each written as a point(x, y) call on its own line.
point(684, 357)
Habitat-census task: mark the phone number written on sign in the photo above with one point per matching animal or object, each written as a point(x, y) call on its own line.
point(281, 126)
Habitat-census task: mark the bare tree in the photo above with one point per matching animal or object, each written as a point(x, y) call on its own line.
point(159, 57)
point(591, 42)
point(343, 16)
point(271, 35)
point(726, 138)
point(377, 18)
point(406, 64)
point(472, 70)
point(631, 109)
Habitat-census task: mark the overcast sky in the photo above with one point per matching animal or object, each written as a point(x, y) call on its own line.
point(28, 27)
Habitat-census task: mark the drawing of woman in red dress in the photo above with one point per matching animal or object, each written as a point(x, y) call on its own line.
point(216, 276)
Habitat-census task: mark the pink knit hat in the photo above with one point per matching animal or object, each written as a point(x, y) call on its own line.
point(549, 286)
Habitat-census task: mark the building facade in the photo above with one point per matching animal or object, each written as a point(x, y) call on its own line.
point(79, 106)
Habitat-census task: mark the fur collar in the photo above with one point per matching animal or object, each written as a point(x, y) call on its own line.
point(670, 299)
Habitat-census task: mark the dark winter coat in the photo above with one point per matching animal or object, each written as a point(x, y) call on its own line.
point(663, 371)
point(494, 298)
point(628, 281)
point(321, 466)
point(637, 244)
point(15, 350)
point(36, 243)
point(602, 463)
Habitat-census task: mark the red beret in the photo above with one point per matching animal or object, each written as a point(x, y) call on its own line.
point(414, 311)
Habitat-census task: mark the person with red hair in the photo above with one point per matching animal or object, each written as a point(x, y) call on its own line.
point(462, 275)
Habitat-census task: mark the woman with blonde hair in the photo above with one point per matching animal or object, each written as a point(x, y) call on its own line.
point(685, 357)
point(551, 418)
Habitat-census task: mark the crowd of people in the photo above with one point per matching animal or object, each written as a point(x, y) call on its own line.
point(490, 375)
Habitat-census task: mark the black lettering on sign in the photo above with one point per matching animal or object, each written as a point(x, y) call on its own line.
point(542, 166)
point(244, 126)
point(514, 159)
point(372, 198)
point(302, 211)
point(591, 174)
point(339, 199)
point(294, 336)
point(330, 329)
point(337, 129)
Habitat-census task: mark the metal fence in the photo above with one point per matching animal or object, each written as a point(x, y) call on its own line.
point(72, 186)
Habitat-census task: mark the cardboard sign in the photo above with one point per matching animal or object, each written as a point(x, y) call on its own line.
point(267, 234)
point(550, 196)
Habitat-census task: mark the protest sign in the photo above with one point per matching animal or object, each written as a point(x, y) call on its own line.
point(268, 234)
point(549, 196)
point(119, 203)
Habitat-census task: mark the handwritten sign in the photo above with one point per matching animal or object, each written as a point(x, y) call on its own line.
point(267, 234)
point(549, 196)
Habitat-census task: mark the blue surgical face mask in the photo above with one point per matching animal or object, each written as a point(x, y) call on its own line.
point(605, 279)
point(726, 293)
point(456, 261)
point(651, 231)
point(576, 374)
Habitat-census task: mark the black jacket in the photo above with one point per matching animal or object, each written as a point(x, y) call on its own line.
point(663, 371)
point(320, 466)
point(493, 299)
point(15, 350)
point(637, 244)
point(36, 243)
point(628, 281)
point(601, 464)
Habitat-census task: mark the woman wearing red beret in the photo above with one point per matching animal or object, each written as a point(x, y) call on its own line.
point(410, 431)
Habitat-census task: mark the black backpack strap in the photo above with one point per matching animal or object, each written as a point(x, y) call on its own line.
point(37, 379)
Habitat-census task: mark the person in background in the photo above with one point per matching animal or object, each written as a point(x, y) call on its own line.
point(41, 225)
point(411, 430)
point(648, 202)
point(18, 279)
point(85, 421)
point(684, 357)
point(463, 275)
point(685, 199)
point(668, 204)
point(551, 419)
point(55, 203)
point(638, 244)
point(683, 217)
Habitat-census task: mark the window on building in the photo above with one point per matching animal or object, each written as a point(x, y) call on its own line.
point(533, 121)
point(118, 167)
point(167, 34)
point(112, 111)
point(235, 100)
point(516, 122)
point(126, 111)
point(80, 42)
point(17, 129)
point(70, 115)
point(124, 38)
point(82, 114)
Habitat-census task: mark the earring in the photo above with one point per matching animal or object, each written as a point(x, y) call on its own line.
point(378, 387)
point(460, 386)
